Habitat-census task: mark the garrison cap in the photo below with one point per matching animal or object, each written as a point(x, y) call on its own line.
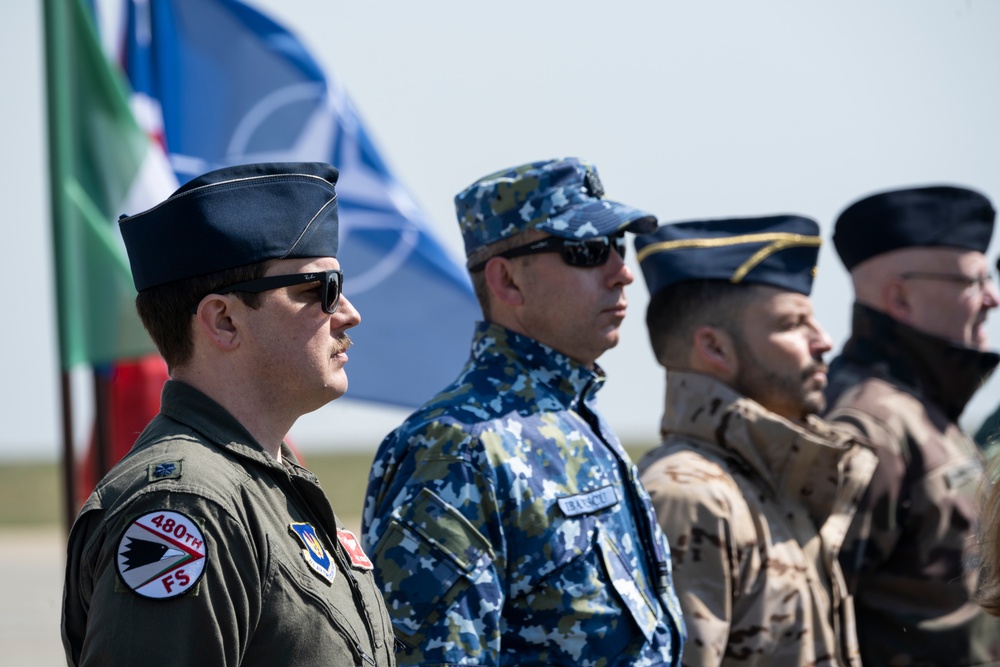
point(233, 217)
point(778, 250)
point(563, 197)
point(933, 216)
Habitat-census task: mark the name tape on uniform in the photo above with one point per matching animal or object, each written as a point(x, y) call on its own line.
point(585, 503)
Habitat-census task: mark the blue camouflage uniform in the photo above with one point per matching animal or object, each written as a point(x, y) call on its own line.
point(508, 525)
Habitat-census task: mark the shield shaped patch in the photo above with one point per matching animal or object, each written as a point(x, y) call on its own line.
point(315, 554)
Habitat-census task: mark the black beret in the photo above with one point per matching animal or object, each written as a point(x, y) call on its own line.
point(931, 216)
point(779, 250)
point(233, 217)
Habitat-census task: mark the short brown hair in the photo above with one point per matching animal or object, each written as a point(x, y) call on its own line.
point(484, 253)
point(675, 312)
point(165, 310)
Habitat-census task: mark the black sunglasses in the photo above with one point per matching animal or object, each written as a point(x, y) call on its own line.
point(331, 285)
point(584, 253)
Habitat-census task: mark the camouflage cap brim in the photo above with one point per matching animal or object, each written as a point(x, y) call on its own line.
point(598, 218)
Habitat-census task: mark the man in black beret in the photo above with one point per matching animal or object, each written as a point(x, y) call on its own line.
point(917, 353)
point(208, 544)
point(753, 490)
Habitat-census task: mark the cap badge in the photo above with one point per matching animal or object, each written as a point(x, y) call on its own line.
point(593, 184)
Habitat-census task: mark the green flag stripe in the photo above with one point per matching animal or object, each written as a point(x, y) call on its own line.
point(101, 305)
point(96, 149)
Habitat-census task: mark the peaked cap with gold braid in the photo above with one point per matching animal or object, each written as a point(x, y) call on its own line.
point(779, 250)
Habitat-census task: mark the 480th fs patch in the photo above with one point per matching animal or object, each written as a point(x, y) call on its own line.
point(161, 555)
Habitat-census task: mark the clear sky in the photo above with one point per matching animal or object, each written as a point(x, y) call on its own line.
point(690, 110)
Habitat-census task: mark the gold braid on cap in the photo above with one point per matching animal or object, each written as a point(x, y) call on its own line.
point(777, 241)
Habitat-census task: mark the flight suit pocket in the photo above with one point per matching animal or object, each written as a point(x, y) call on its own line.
point(293, 589)
point(430, 554)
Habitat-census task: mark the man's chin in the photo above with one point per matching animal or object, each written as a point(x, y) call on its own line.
point(336, 387)
point(980, 339)
point(814, 400)
point(611, 339)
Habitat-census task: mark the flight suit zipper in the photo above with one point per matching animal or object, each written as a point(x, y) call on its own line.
point(357, 596)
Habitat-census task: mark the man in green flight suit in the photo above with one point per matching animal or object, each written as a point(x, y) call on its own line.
point(208, 544)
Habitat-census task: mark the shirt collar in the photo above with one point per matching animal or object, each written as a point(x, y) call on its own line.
point(564, 377)
point(945, 373)
point(807, 463)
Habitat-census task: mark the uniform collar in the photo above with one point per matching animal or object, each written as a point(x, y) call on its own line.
point(567, 379)
point(945, 373)
point(195, 409)
point(807, 464)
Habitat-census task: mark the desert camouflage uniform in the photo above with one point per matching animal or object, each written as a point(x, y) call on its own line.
point(755, 509)
point(907, 556)
point(508, 525)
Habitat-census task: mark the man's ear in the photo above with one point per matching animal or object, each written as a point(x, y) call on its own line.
point(502, 282)
point(216, 322)
point(896, 299)
point(713, 353)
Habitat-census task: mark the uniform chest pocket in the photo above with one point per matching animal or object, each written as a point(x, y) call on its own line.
point(635, 596)
point(590, 577)
point(292, 588)
point(429, 557)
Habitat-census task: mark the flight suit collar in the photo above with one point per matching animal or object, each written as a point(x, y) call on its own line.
point(191, 407)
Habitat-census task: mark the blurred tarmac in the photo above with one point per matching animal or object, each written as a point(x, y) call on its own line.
point(31, 574)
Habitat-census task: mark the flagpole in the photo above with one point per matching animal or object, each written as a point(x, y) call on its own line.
point(60, 156)
point(68, 453)
point(102, 410)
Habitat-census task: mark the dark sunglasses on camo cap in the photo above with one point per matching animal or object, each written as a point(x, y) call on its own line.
point(331, 285)
point(582, 253)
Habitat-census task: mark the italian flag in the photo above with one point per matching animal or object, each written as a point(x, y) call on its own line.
point(102, 164)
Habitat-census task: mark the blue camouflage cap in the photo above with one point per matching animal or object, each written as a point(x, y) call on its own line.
point(778, 250)
point(563, 197)
point(233, 217)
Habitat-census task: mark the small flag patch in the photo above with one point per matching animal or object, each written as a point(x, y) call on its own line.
point(359, 558)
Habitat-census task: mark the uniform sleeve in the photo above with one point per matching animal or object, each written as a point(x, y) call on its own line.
point(877, 524)
point(698, 524)
point(432, 527)
point(107, 623)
